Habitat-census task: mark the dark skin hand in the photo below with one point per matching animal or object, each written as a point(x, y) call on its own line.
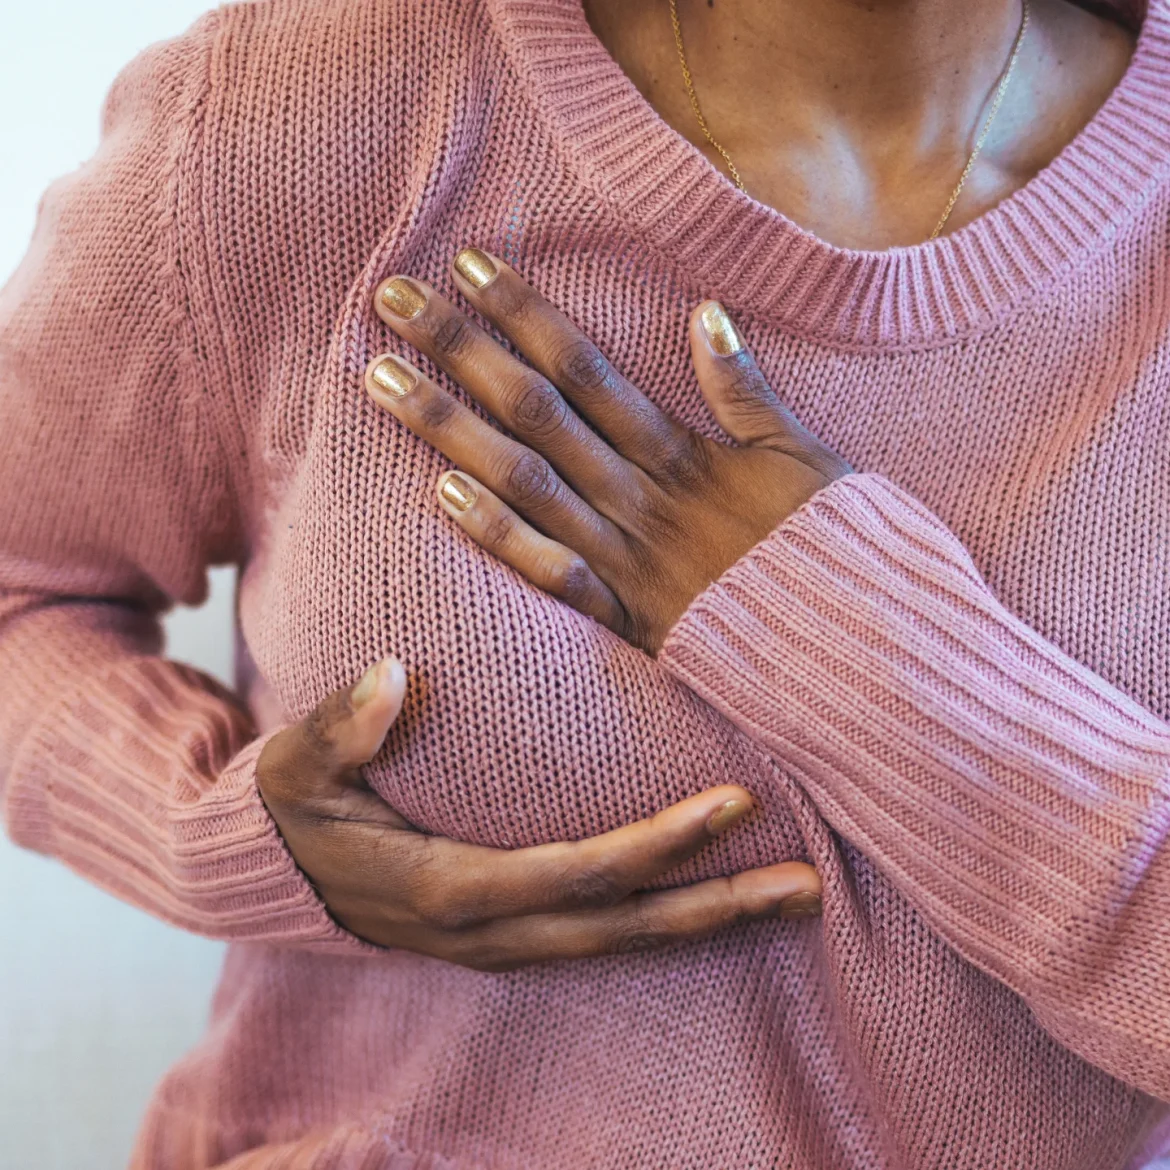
point(497, 909)
point(634, 521)
point(859, 123)
point(626, 520)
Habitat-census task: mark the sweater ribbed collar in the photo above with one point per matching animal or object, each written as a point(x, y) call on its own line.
point(756, 260)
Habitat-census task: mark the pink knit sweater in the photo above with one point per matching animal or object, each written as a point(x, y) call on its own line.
point(947, 679)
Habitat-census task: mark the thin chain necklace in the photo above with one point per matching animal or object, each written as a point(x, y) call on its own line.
point(1001, 89)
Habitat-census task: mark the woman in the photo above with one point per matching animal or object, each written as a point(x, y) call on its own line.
point(949, 695)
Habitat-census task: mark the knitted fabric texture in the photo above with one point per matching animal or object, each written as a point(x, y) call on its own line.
point(946, 678)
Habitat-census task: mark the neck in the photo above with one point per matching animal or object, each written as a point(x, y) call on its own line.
point(856, 117)
point(862, 59)
point(864, 64)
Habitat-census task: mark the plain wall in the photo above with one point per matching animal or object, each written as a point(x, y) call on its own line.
point(96, 998)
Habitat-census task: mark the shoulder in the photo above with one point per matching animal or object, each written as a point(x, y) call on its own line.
point(307, 49)
point(257, 62)
point(329, 100)
point(1082, 56)
point(325, 125)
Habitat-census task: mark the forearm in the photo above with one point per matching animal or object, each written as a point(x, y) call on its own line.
point(1017, 799)
point(139, 774)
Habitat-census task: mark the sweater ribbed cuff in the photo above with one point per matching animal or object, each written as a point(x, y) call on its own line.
point(1008, 790)
point(131, 781)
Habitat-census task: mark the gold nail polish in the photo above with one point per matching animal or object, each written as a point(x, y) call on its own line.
point(394, 378)
point(476, 267)
point(806, 905)
point(720, 331)
point(727, 815)
point(458, 492)
point(403, 298)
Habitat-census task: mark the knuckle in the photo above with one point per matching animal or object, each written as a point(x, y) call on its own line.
point(449, 915)
point(637, 935)
point(486, 957)
point(499, 531)
point(453, 337)
point(539, 410)
point(745, 384)
point(569, 577)
point(656, 523)
point(530, 480)
point(436, 410)
point(685, 463)
point(512, 299)
point(433, 894)
point(635, 942)
point(418, 880)
point(319, 727)
point(591, 888)
point(582, 367)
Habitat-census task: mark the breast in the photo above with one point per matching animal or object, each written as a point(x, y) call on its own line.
point(525, 722)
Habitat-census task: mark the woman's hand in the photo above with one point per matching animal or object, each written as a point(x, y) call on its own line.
point(495, 909)
point(599, 499)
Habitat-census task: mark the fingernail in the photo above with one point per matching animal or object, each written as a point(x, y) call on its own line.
point(727, 815)
point(458, 492)
point(804, 905)
point(476, 267)
point(403, 298)
point(720, 332)
point(394, 378)
point(369, 686)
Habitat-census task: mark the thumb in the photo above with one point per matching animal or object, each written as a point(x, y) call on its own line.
point(329, 746)
point(739, 396)
point(355, 722)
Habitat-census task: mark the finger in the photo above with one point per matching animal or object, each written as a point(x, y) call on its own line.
point(549, 566)
point(511, 391)
point(644, 922)
point(519, 475)
point(467, 885)
point(739, 396)
point(329, 746)
point(567, 358)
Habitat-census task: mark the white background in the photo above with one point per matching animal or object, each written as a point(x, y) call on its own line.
point(96, 999)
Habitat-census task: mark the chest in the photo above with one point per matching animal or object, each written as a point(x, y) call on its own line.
point(1042, 443)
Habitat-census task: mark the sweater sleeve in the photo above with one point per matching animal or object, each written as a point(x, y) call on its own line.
point(116, 496)
point(1018, 800)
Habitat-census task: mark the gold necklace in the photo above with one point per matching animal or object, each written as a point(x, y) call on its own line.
point(1001, 89)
